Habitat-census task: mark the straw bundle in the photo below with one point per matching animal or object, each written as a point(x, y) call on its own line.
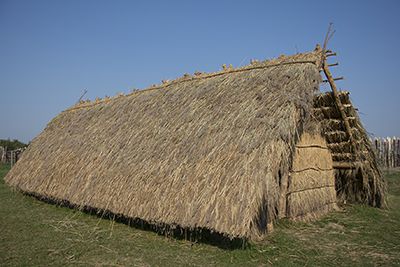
point(311, 189)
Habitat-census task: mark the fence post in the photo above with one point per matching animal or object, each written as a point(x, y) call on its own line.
point(388, 151)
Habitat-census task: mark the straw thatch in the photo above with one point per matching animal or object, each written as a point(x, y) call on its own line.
point(361, 180)
point(208, 151)
point(311, 189)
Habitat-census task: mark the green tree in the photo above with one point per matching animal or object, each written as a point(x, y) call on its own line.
point(12, 144)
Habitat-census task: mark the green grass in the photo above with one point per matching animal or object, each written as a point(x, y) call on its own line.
point(34, 233)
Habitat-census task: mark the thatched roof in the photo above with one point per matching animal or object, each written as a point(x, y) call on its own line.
point(201, 151)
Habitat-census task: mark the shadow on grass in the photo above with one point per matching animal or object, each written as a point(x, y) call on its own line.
point(193, 235)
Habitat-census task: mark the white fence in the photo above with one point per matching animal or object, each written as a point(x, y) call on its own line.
point(388, 151)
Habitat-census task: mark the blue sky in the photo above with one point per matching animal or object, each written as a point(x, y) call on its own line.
point(50, 51)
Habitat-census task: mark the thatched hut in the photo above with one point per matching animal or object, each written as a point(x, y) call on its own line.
point(230, 151)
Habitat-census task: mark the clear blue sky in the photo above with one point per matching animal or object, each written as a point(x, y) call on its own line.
point(51, 50)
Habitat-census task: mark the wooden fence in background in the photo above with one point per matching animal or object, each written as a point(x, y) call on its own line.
point(388, 151)
point(10, 156)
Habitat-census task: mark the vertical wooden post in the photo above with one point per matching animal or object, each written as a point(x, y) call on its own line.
point(2, 154)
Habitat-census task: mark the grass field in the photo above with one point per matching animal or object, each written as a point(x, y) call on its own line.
point(39, 234)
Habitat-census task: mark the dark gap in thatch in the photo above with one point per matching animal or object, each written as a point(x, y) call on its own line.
point(263, 219)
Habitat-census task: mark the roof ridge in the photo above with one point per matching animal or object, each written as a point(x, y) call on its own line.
point(282, 60)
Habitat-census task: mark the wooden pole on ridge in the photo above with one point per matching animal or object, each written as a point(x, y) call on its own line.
point(332, 84)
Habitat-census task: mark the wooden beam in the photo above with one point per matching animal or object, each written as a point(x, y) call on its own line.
point(333, 65)
point(335, 79)
point(343, 165)
point(337, 100)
